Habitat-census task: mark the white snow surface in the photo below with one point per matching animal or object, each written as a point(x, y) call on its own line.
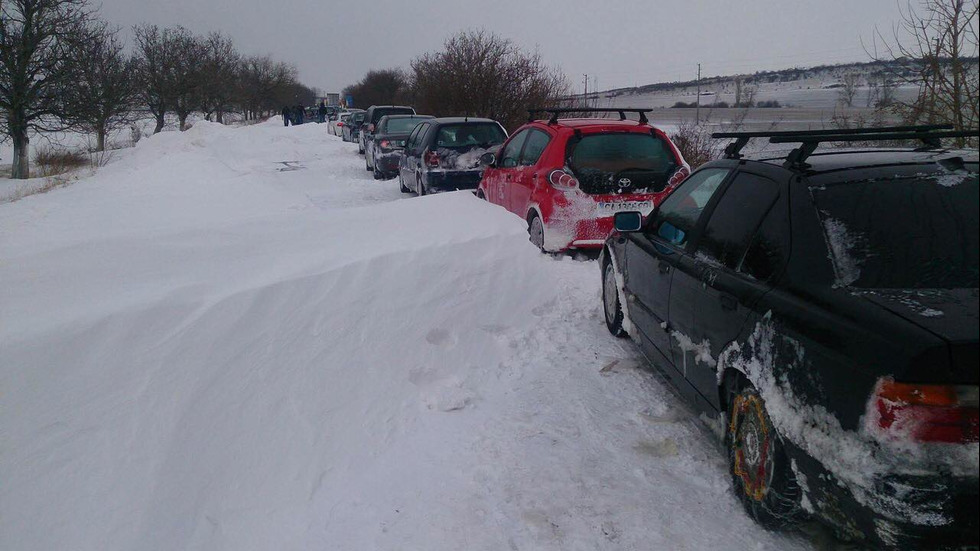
point(236, 339)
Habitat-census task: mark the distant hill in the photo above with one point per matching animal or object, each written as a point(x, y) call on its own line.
point(896, 71)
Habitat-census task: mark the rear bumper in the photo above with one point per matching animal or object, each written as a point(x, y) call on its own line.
point(452, 180)
point(575, 221)
point(900, 511)
point(387, 162)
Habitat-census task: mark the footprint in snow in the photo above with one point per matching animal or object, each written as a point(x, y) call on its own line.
point(441, 337)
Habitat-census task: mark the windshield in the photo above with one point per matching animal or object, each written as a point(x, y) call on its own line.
point(470, 135)
point(917, 232)
point(616, 163)
point(402, 125)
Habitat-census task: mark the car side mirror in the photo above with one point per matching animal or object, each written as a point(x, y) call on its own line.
point(488, 159)
point(627, 222)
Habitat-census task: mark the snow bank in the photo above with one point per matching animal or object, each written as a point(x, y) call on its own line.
point(201, 350)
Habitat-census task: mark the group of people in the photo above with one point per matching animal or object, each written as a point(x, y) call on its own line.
point(297, 115)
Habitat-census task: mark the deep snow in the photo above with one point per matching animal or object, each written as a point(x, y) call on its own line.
point(236, 339)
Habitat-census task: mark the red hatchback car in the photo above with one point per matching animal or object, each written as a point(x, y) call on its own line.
point(568, 177)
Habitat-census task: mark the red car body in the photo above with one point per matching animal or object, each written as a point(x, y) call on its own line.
point(574, 205)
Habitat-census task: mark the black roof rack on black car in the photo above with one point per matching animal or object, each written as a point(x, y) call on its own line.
point(555, 111)
point(930, 136)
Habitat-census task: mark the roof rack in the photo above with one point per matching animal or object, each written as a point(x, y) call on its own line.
point(810, 139)
point(555, 111)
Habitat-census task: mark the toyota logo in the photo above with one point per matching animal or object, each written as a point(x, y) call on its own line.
point(625, 182)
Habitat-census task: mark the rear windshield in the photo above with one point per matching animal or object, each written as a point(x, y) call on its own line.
point(481, 135)
point(378, 113)
point(917, 232)
point(357, 117)
point(402, 126)
point(622, 162)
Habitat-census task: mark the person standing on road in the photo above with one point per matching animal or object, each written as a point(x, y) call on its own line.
point(298, 113)
point(285, 115)
point(322, 112)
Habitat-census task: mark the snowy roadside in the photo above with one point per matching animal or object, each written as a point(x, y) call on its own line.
point(236, 339)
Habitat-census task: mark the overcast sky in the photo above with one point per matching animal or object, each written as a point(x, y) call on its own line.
point(622, 43)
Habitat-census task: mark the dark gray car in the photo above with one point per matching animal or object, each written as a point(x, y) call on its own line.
point(383, 149)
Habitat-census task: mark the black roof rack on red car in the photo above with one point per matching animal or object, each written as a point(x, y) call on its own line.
point(555, 111)
point(930, 135)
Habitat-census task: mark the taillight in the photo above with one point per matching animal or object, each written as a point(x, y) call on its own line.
point(678, 177)
point(562, 180)
point(432, 158)
point(926, 413)
point(370, 128)
point(340, 124)
point(385, 144)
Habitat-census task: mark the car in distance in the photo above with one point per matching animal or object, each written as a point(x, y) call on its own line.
point(568, 177)
point(334, 126)
point(824, 307)
point(351, 130)
point(383, 148)
point(444, 154)
point(373, 115)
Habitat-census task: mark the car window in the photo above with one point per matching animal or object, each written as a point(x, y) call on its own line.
point(470, 135)
point(420, 137)
point(537, 141)
point(916, 232)
point(770, 246)
point(512, 151)
point(679, 213)
point(402, 125)
point(600, 161)
point(413, 138)
point(736, 217)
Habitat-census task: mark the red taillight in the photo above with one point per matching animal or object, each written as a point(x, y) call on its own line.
point(678, 177)
point(340, 124)
point(926, 413)
point(562, 180)
point(385, 144)
point(432, 158)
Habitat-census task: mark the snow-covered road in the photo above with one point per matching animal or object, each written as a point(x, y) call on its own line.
point(234, 338)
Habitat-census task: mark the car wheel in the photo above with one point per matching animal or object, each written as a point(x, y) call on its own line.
point(610, 301)
point(378, 175)
point(761, 473)
point(480, 195)
point(419, 187)
point(535, 231)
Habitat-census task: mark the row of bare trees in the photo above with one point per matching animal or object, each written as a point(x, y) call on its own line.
point(477, 73)
point(63, 68)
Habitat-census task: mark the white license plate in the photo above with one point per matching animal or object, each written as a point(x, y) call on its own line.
point(608, 208)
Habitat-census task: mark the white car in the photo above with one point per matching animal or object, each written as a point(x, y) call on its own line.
point(335, 126)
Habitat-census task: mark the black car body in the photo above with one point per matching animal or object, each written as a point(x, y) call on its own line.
point(383, 149)
point(350, 132)
point(444, 154)
point(371, 118)
point(836, 303)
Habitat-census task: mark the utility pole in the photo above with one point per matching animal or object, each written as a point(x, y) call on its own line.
point(586, 95)
point(697, 109)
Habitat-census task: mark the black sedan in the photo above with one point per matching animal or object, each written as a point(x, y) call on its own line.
point(350, 132)
point(823, 307)
point(444, 154)
point(383, 148)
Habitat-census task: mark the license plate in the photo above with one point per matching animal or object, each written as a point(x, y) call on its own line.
point(608, 208)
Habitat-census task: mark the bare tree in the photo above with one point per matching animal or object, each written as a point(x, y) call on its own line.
point(380, 87)
point(218, 74)
point(187, 53)
point(481, 74)
point(36, 41)
point(265, 85)
point(938, 36)
point(153, 63)
point(104, 89)
point(848, 89)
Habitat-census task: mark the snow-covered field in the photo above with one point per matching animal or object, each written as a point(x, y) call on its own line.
point(234, 338)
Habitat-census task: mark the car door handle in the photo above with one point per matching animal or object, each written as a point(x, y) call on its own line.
point(663, 267)
point(728, 302)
